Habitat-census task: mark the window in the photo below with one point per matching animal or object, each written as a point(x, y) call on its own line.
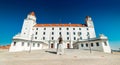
point(80, 38)
point(36, 28)
point(97, 43)
point(14, 44)
point(35, 33)
point(74, 38)
point(52, 38)
point(82, 45)
point(91, 44)
point(28, 44)
point(87, 28)
point(79, 33)
point(105, 43)
point(73, 33)
point(59, 28)
point(44, 28)
point(67, 33)
point(35, 37)
point(67, 28)
point(87, 33)
point(43, 38)
point(52, 33)
point(86, 44)
point(52, 28)
point(73, 28)
point(67, 38)
point(43, 33)
point(79, 28)
point(88, 37)
point(22, 43)
point(38, 45)
point(59, 33)
point(33, 44)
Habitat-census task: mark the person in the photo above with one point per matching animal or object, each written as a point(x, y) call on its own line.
point(60, 49)
point(60, 39)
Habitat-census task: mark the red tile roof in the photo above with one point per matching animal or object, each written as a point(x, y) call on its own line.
point(5, 47)
point(57, 25)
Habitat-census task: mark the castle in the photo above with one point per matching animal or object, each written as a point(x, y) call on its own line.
point(35, 36)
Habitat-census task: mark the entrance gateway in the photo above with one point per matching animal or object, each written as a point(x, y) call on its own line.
point(68, 45)
point(52, 45)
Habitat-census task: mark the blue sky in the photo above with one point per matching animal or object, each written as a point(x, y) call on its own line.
point(105, 15)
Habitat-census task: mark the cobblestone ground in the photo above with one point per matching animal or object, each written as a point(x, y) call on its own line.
point(49, 57)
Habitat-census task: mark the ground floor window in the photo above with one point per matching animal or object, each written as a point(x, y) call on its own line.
point(86, 44)
point(33, 44)
point(97, 43)
point(38, 45)
point(91, 44)
point(82, 45)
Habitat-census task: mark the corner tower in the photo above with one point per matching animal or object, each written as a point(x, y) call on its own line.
point(27, 28)
point(89, 22)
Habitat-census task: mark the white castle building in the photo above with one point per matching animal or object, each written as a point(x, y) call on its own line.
point(35, 36)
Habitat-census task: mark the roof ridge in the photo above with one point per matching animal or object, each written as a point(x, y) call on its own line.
point(56, 25)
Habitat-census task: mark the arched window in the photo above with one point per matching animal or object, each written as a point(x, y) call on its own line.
point(86, 44)
point(14, 44)
point(91, 44)
point(82, 45)
point(97, 43)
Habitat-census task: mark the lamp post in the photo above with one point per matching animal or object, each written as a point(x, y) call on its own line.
point(31, 43)
point(89, 44)
point(70, 35)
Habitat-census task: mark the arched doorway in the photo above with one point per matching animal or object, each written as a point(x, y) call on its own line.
point(52, 45)
point(68, 45)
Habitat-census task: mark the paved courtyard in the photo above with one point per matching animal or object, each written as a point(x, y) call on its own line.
point(49, 57)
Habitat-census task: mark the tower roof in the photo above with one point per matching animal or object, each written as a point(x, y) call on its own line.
point(32, 13)
point(88, 17)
